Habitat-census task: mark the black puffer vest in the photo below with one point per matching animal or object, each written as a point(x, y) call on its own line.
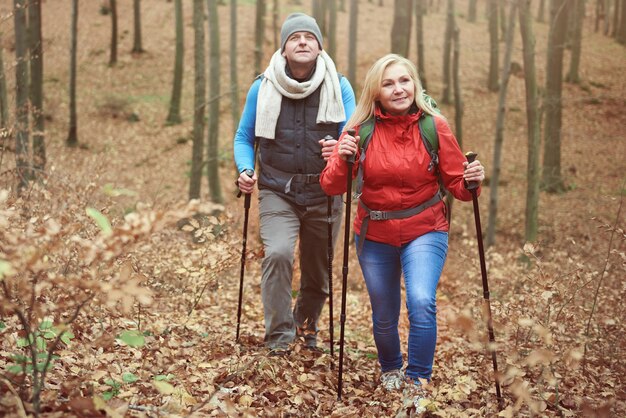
point(291, 163)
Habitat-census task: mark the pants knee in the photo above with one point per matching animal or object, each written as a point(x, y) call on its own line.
point(422, 310)
point(279, 255)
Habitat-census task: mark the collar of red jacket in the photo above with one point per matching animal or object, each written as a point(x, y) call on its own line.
point(410, 118)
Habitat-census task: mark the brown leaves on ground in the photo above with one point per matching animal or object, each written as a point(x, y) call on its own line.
point(156, 334)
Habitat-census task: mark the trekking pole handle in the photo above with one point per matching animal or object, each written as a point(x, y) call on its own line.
point(351, 132)
point(471, 156)
point(249, 172)
point(326, 138)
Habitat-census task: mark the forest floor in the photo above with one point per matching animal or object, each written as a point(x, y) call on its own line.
point(557, 304)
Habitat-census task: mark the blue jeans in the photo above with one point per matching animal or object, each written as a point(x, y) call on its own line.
point(421, 261)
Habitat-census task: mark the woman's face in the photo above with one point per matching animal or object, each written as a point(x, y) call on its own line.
point(397, 90)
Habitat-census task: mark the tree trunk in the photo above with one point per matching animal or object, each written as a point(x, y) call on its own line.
point(332, 29)
point(599, 14)
point(234, 83)
point(197, 151)
point(607, 17)
point(446, 96)
point(275, 24)
point(173, 116)
point(621, 30)
point(541, 12)
point(21, 94)
point(113, 56)
point(530, 79)
point(578, 13)
point(502, 19)
point(401, 27)
point(616, 14)
point(137, 48)
point(259, 36)
point(492, 82)
point(4, 103)
point(551, 180)
point(419, 29)
point(215, 189)
point(499, 140)
point(352, 41)
point(317, 11)
point(458, 104)
point(471, 13)
point(72, 136)
point(36, 87)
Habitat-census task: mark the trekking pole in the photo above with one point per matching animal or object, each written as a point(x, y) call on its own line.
point(344, 284)
point(329, 212)
point(472, 186)
point(246, 207)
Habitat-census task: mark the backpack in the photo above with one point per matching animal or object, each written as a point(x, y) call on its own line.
point(430, 138)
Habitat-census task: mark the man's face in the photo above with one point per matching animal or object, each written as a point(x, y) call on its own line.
point(301, 48)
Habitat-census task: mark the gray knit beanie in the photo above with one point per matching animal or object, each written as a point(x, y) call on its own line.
point(299, 22)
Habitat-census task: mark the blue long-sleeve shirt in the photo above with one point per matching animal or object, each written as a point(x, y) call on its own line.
point(243, 146)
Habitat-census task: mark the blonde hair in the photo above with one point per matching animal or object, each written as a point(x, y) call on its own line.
point(371, 89)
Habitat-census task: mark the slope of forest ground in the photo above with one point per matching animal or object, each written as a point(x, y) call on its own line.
point(557, 305)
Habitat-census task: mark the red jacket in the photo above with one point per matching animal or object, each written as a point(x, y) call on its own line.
point(396, 177)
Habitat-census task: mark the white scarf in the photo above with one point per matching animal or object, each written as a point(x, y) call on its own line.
point(276, 84)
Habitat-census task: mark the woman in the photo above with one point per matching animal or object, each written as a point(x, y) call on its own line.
point(397, 177)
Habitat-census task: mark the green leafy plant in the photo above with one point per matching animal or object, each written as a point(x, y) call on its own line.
point(132, 338)
point(115, 386)
point(39, 343)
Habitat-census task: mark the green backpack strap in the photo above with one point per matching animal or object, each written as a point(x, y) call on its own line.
point(428, 132)
point(365, 133)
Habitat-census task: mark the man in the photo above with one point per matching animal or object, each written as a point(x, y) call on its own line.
point(297, 102)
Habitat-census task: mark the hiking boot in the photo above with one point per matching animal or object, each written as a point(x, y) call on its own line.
point(392, 380)
point(414, 396)
point(309, 337)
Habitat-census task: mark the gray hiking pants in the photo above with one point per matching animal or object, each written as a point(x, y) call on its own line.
point(282, 222)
